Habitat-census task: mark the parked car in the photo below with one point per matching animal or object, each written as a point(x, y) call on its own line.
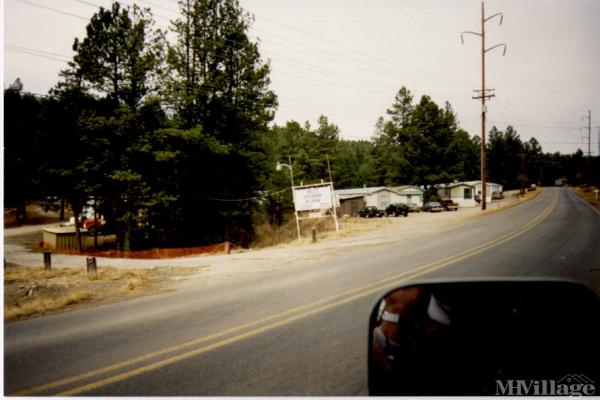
point(449, 205)
point(413, 207)
point(370, 212)
point(396, 209)
point(432, 206)
point(92, 226)
point(497, 195)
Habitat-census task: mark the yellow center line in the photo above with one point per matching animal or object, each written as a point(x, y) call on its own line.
point(347, 296)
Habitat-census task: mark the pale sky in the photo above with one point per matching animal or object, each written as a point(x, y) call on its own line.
point(346, 59)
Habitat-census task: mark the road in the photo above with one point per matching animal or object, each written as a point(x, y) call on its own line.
point(294, 331)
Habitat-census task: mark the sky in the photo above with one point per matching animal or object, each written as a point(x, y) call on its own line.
point(346, 59)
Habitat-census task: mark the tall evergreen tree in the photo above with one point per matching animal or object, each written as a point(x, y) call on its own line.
point(24, 150)
point(118, 61)
point(218, 81)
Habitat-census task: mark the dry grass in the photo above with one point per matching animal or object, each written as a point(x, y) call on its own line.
point(34, 291)
point(42, 305)
point(352, 226)
point(587, 193)
point(268, 236)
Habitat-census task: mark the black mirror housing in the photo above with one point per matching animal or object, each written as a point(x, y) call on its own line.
point(485, 338)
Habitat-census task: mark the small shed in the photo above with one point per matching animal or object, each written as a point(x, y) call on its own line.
point(350, 205)
point(60, 238)
point(65, 237)
point(352, 200)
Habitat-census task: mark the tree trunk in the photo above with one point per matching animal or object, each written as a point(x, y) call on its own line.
point(95, 224)
point(62, 210)
point(22, 213)
point(77, 227)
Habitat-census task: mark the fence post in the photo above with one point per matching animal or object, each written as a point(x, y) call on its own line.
point(91, 266)
point(47, 260)
point(314, 234)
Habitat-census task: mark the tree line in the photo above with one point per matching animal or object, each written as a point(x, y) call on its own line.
point(172, 140)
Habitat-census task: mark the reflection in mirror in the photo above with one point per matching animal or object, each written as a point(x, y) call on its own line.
point(483, 338)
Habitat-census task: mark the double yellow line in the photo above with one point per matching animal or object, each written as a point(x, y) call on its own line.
point(271, 322)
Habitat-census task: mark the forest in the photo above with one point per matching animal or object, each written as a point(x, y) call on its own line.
point(174, 141)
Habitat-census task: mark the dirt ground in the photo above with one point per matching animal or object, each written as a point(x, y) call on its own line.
point(30, 291)
point(36, 215)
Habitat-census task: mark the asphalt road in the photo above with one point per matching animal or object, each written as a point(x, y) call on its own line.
point(294, 331)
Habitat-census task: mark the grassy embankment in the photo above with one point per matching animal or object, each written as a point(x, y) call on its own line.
point(587, 193)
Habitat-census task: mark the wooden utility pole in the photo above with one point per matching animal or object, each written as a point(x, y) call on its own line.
point(483, 96)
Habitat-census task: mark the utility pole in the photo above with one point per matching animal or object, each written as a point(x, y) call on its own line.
point(337, 226)
point(589, 127)
point(522, 177)
point(484, 95)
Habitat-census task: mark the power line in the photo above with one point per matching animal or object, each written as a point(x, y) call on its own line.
point(536, 126)
point(36, 54)
point(343, 46)
point(52, 9)
point(310, 67)
point(261, 197)
point(294, 62)
point(15, 47)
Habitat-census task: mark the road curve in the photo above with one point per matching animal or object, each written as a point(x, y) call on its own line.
point(295, 331)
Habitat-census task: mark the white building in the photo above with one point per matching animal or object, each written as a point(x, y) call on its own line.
point(351, 200)
point(409, 194)
point(466, 193)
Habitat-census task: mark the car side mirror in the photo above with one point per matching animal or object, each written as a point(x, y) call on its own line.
point(486, 338)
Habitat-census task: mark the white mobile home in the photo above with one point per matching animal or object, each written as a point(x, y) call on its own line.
point(465, 193)
point(460, 193)
point(380, 196)
point(408, 194)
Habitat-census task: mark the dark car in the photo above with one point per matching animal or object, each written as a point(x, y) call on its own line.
point(370, 212)
point(396, 209)
point(432, 206)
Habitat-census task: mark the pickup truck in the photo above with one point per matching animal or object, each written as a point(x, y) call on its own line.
point(449, 205)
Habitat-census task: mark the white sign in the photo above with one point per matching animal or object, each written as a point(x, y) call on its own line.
point(312, 198)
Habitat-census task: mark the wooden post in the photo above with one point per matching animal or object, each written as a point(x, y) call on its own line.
point(91, 266)
point(47, 260)
point(314, 234)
